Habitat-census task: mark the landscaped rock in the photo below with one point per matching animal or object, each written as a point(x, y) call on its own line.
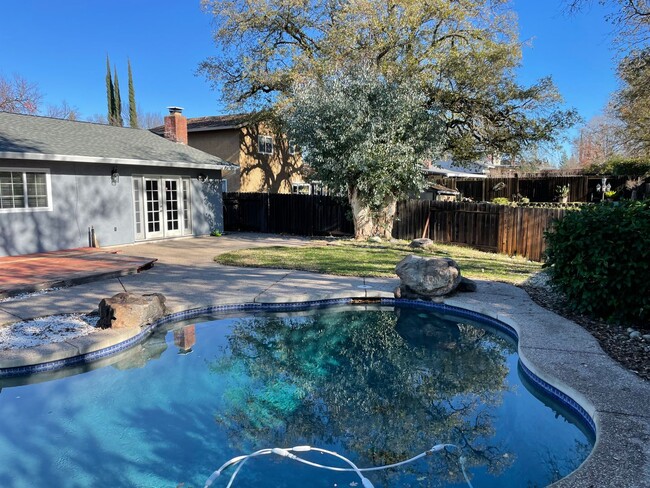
point(427, 278)
point(375, 239)
point(423, 243)
point(128, 310)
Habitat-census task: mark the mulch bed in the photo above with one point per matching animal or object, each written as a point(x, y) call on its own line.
point(633, 354)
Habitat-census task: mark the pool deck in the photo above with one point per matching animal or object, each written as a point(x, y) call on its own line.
point(555, 349)
point(33, 272)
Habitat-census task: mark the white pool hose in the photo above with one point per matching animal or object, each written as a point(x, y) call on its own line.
point(288, 453)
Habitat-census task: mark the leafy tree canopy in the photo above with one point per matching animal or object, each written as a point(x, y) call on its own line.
point(460, 54)
point(632, 102)
point(365, 136)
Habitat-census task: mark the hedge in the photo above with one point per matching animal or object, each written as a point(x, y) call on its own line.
point(599, 257)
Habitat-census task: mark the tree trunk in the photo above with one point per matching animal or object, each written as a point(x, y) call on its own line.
point(368, 223)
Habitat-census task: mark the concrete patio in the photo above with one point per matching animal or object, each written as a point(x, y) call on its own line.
point(555, 349)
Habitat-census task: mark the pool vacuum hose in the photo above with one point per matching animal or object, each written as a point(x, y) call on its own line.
point(288, 453)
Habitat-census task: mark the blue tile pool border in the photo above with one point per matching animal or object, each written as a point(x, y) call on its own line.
point(146, 331)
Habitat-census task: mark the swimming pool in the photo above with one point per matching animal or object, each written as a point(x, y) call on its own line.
point(377, 384)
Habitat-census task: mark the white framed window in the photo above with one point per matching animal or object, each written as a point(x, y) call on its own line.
point(293, 148)
point(265, 144)
point(25, 190)
point(301, 188)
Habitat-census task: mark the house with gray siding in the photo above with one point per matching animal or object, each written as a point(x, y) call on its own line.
point(59, 179)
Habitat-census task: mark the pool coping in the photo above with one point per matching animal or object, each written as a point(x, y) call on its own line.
point(546, 366)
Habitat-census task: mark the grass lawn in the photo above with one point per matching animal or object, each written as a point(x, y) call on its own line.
point(352, 258)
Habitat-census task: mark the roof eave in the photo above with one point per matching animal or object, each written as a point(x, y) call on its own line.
point(221, 127)
point(24, 156)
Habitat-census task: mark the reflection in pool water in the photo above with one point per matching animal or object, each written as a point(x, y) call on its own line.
point(376, 385)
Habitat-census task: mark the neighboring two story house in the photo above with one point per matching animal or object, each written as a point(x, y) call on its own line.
point(267, 161)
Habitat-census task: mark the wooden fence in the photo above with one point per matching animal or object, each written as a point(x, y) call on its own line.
point(307, 215)
point(536, 189)
point(497, 228)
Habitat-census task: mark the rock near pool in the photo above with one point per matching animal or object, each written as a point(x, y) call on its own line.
point(129, 310)
point(429, 278)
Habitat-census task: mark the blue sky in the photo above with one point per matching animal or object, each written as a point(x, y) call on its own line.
point(62, 46)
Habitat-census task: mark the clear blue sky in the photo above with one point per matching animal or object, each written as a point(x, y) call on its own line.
point(62, 46)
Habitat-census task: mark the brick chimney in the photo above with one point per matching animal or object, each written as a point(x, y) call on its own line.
point(176, 125)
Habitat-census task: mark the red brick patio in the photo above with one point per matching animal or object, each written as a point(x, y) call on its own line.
point(32, 272)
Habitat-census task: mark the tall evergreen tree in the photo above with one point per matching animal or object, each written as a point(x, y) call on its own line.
point(133, 113)
point(118, 101)
point(110, 94)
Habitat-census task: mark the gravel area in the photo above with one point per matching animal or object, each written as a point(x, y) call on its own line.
point(631, 352)
point(46, 330)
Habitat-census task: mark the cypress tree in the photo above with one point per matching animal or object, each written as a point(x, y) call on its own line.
point(118, 101)
point(110, 94)
point(133, 113)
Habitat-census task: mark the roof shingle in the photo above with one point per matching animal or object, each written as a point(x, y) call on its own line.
point(43, 135)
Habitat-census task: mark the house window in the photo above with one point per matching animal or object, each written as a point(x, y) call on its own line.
point(293, 148)
point(224, 186)
point(22, 190)
point(265, 144)
point(301, 188)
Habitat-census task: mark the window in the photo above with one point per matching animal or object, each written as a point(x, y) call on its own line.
point(301, 188)
point(224, 186)
point(293, 148)
point(265, 144)
point(24, 189)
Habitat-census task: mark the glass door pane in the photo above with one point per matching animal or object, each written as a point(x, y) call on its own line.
point(137, 206)
point(172, 207)
point(153, 208)
point(187, 210)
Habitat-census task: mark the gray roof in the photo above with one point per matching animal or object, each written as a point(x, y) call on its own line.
point(44, 138)
point(213, 122)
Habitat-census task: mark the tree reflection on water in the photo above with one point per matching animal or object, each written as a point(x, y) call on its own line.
point(378, 385)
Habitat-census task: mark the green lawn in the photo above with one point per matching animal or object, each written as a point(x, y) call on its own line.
point(352, 258)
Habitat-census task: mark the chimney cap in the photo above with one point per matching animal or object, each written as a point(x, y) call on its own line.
point(175, 110)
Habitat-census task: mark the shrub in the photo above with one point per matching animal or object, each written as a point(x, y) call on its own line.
point(501, 201)
point(599, 258)
point(621, 167)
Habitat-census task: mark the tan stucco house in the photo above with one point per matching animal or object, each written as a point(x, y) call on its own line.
point(267, 160)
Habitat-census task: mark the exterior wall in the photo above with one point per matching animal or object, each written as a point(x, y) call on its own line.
point(258, 172)
point(82, 196)
point(223, 144)
point(271, 173)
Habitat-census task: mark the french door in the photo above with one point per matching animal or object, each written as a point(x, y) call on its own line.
point(162, 207)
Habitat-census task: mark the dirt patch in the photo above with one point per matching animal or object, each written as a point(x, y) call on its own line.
point(632, 353)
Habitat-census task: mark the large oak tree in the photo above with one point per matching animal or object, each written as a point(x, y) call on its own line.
point(460, 54)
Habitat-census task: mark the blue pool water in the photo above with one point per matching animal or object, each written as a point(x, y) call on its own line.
point(375, 384)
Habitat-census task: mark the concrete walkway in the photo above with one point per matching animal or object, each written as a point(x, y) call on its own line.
point(555, 349)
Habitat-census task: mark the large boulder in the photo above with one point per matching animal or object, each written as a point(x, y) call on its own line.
point(427, 278)
point(129, 310)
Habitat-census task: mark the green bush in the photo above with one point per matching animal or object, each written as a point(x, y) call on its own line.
point(621, 167)
point(501, 201)
point(599, 258)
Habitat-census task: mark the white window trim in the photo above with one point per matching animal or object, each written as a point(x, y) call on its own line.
point(297, 186)
point(292, 148)
point(48, 182)
point(259, 143)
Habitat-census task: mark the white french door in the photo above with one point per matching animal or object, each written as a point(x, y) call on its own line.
point(162, 207)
